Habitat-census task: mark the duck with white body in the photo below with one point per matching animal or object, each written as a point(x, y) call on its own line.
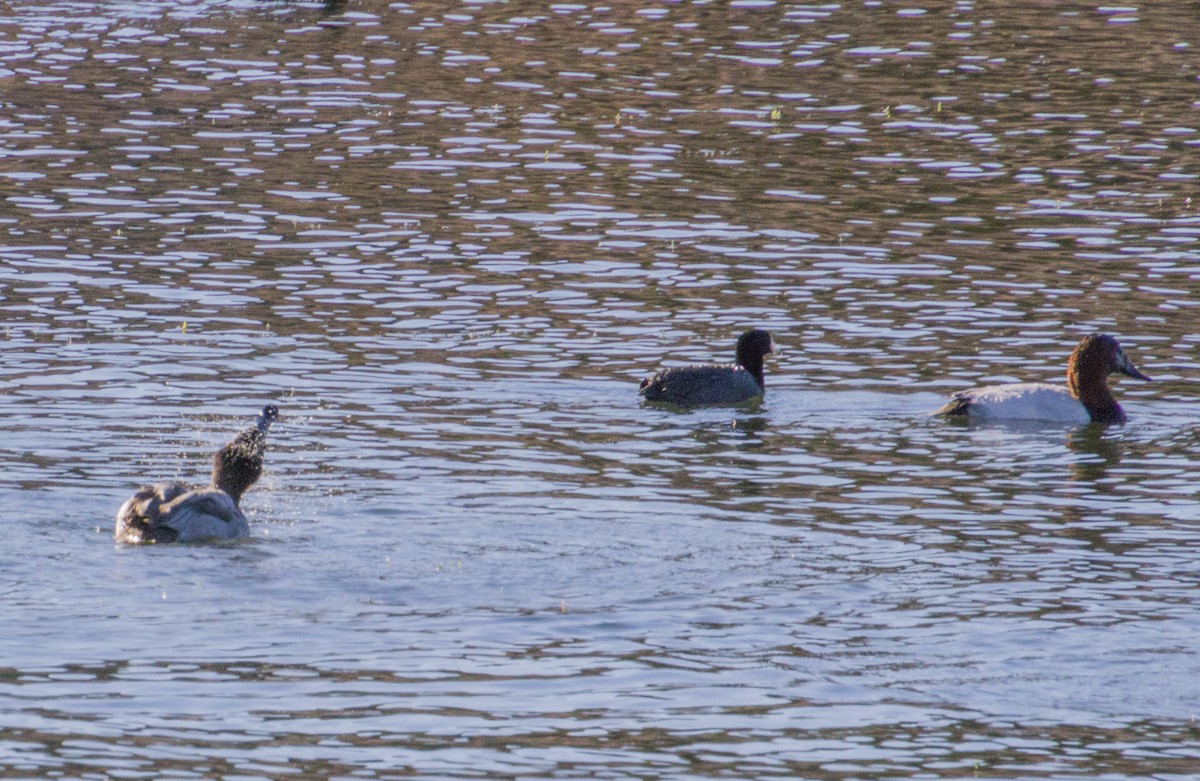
point(1086, 398)
point(175, 512)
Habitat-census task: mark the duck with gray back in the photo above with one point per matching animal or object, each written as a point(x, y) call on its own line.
point(174, 512)
point(699, 386)
point(1086, 398)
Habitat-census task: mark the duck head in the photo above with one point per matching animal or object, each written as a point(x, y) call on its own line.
point(270, 414)
point(1100, 355)
point(752, 346)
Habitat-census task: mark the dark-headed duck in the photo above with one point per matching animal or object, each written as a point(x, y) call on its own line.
point(1085, 398)
point(695, 386)
point(174, 512)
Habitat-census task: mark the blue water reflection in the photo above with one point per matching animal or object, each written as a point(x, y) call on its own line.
point(448, 241)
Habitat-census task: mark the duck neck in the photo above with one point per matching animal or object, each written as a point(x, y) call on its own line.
point(238, 465)
point(754, 365)
point(231, 485)
point(1088, 382)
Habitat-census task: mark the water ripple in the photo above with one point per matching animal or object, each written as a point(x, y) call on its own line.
point(448, 243)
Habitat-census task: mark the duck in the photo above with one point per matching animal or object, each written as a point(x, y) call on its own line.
point(176, 512)
point(714, 385)
point(1086, 398)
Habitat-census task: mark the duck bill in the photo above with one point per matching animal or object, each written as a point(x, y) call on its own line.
point(1126, 367)
point(1130, 371)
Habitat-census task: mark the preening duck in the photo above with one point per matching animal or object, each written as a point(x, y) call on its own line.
point(174, 512)
point(1086, 398)
point(694, 386)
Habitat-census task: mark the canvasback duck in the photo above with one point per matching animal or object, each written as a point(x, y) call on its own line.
point(174, 512)
point(693, 386)
point(1085, 398)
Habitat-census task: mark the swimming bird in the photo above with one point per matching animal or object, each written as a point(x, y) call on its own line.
point(1085, 398)
point(174, 512)
point(694, 386)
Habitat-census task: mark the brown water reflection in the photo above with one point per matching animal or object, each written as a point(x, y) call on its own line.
point(448, 239)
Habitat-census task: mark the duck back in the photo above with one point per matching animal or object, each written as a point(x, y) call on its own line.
point(174, 512)
point(691, 386)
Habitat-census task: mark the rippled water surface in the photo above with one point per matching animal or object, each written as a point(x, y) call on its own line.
point(448, 239)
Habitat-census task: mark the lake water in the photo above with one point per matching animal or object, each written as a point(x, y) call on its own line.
point(448, 240)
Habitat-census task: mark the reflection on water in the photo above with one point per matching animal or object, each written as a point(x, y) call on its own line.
point(448, 241)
